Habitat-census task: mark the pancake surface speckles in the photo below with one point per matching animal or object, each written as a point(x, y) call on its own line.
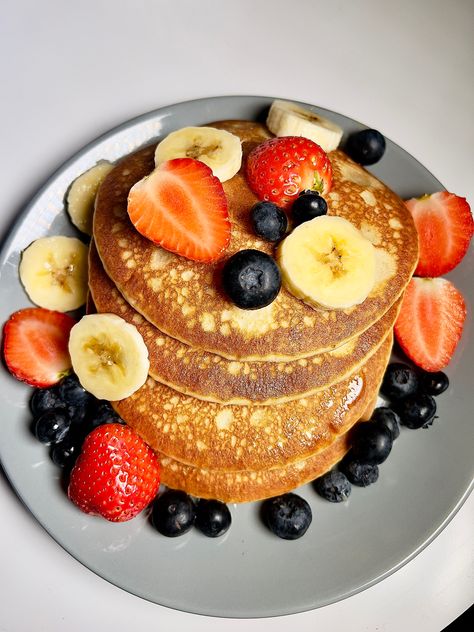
point(185, 299)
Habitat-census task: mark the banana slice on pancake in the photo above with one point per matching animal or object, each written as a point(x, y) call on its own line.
point(221, 151)
point(109, 356)
point(328, 263)
point(53, 271)
point(288, 119)
point(81, 195)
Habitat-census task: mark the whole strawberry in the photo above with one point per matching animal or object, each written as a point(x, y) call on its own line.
point(280, 168)
point(116, 475)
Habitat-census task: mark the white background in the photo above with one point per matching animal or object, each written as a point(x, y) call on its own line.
point(72, 70)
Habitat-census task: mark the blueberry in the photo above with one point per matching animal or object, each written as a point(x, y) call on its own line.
point(417, 410)
point(388, 418)
point(333, 486)
point(269, 221)
point(288, 516)
point(252, 279)
point(366, 147)
point(102, 413)
point(173, 513)
point(372, 443)
point(307, 206)
point(52, 426)
point(359, 474)
point(44, 399)
point(64, 454)
point(212, 518)
point(399, 381)
point(71, 392)
point(434, 383)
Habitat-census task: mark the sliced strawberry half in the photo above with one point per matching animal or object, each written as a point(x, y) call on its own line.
point(182, 207)
point(430, 322)
point(35, 345)
point(445, 227)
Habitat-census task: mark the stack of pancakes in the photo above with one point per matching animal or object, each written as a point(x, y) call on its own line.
point(242, 405)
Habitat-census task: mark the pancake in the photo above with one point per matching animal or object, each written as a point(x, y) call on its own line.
point(213, 378)
point(211, 436)
point(185, 300)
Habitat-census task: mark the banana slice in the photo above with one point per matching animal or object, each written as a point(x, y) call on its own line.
point(53, 271)
point(218, 149)
point(328, 263)
point(109, 356)
point(81, 196)
point(288, 119)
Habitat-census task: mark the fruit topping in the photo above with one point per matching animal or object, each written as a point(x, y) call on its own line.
point(430, 322)
point(366, 147)
point(64, 454)
point(388, 418)
point(72, 393)
point(109, 356)
point(52, 426)
point(287, 516)
point(372, 443)
point(44, 399)
point(333, 486)
point(182, 207)
point(81, 195)
point(221, 151)
point(116, 475)
point(174, 513)
point(251, 279)
point(445, 227)
point(328, 263)
point(434, 383)
point(269, 222)
point(288, 119)
point(358, 473)
point(307, 206)
point(399, 381)
point(103, 413)
point(417, 410)
point(53, 271)
point(35, 345)
point(213, 518)
point(279, 168)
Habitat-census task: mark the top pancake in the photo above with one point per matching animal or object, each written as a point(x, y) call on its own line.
point(185, 300)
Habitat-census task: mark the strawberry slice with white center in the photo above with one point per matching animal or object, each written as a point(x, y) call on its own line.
point(430, 322)
point(35, 345)
point(445, 227)
point(182, 207)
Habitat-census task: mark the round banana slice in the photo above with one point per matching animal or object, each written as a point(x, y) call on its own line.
point(109, 356)
point(328, 263)
point(81, 195)
point(288, 119)
point(218, 149)
point(53, 271)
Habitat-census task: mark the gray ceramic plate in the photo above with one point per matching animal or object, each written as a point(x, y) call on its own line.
point(248, 572)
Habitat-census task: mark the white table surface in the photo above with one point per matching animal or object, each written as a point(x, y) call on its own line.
point(72, 70)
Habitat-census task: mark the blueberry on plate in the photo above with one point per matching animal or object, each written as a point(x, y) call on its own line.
point(64, 454)
point(44, 399)
point(307, 206)
point(333, 486)
point(417, 411)
point(434, 383)
point(52, 426)
point(103, 413)
point(358, 473)
point(372, 443)
point(366, 147)
point(388, 418)
point(213, 518)
point(269, 221)
point(251, 278)
point(399, 381)
point(288, 516)
point(173, 513)
point(72, 392)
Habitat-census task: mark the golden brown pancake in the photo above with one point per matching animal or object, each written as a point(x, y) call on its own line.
point(210, 377)
point(185, 300)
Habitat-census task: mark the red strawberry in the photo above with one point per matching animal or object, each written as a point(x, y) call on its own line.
point(116, 475)
point(445, 227)
point(182, 207)
point(35, 345)
point(279, 168)
point(430, 322)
